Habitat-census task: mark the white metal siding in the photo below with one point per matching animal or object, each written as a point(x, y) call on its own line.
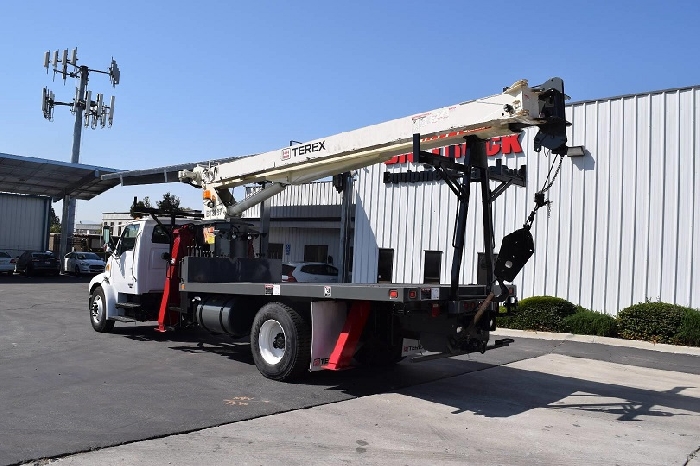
point(624, 225)
point(319, 199)
point(24, 222)
point(297, 238)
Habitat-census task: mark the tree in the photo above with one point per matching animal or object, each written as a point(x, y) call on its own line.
point(170, 203)
point(54, 221)
point(144, 204)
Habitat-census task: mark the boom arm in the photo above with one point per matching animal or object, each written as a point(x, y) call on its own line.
point(517, 107)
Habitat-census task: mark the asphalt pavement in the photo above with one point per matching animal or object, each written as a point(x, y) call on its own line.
point(72, 396)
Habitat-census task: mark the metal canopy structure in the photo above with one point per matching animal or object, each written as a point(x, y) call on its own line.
point(31, 175)
point(166, 174)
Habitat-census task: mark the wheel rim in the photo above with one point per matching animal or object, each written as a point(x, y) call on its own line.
point(271, 341)
point(96, 308)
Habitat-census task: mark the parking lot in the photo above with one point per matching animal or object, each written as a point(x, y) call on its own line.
point(68, 390)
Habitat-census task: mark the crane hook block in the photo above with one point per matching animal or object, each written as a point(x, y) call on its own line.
point(516, 250)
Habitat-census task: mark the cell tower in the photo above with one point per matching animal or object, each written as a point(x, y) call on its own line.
point(88, 112)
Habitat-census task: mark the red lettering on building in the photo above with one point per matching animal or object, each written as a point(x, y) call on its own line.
point(511, 144)
point(503, 145)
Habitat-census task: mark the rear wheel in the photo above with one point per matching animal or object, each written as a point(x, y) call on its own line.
point(281, 342)
point(98, 312)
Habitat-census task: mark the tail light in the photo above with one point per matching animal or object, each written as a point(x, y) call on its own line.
point(291, 279)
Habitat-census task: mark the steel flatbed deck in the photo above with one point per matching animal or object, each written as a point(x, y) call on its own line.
point(391, 292)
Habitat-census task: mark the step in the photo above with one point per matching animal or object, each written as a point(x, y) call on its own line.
point(122, 319)
point(128, 306)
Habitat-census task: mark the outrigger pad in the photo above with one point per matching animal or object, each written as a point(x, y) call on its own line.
point(516, 250)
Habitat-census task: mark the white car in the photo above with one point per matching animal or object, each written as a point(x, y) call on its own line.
point(83, 262)
point(7, 263)
point(309, 272)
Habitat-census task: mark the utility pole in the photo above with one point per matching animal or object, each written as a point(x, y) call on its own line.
point(95, 112)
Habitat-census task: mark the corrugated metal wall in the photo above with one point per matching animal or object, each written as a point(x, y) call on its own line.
point(297, 238)
point(314, 211)
point(304, 201)
point(624, 226)
point(25, 223)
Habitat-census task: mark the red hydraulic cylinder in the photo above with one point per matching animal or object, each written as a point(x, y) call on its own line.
point(183, 238)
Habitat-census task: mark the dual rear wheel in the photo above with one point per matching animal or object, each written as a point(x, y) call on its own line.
point(280, 340)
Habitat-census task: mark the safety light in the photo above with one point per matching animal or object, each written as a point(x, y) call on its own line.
point(393, 294)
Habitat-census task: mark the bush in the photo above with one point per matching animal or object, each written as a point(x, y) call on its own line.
point(542, 313)
point(689, 331)
point(587, 322)
point(653, 321)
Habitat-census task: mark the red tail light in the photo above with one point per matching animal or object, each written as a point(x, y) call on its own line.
point(291, 279)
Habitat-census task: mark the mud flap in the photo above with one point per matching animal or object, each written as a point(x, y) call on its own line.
point(327, 320)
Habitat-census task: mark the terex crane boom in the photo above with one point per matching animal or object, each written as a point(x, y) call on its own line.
point(208, 279)
point(517, 107)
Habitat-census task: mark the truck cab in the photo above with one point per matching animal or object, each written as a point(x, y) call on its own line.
point(134, 277)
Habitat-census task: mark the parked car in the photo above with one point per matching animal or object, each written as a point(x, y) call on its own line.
point(83, 262)
point(32, 262)
point(309, 272)
point(7, 263)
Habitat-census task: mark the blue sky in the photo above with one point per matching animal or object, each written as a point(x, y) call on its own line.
point(212, 79)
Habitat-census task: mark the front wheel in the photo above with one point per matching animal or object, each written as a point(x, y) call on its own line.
point(280, 342)
point(98, 312)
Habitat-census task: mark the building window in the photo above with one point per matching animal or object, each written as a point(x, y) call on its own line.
point(274, 250)
point(431, 266)
point(385, 266)
point(315, 253)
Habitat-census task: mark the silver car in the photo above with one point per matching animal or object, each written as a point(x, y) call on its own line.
point(7, 263)
point(83, 263)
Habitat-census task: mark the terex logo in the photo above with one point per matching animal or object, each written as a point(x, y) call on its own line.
point(503, 145)
point(301, 150)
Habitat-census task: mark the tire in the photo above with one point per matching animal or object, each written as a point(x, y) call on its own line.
point(98, 312)
point(77, 271)
point(281, 342)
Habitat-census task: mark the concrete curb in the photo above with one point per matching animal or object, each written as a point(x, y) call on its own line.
point(507, 332)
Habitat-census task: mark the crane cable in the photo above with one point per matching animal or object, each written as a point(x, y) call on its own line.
point(540, 200)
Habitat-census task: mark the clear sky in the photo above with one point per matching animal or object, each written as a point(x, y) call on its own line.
point(211, 79)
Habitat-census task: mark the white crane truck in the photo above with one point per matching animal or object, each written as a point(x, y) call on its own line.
point(186, 273)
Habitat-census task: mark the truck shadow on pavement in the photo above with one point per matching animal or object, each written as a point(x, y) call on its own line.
point(505, 391)
point(489, 390)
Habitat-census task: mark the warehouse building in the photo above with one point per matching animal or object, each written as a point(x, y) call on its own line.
point(623, 226)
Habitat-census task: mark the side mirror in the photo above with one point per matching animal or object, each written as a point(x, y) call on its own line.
point(107, 240)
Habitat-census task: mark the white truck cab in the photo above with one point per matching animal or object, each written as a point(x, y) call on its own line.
point(134, 274)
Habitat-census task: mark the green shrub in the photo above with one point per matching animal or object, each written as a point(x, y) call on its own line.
point(587, 322)
point(689, 330)
point(652, 321)
point(542, 313)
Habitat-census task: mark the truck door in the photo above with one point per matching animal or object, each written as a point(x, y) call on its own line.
point(124, 277)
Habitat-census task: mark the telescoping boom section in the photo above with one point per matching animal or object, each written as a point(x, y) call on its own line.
point(518, 106)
